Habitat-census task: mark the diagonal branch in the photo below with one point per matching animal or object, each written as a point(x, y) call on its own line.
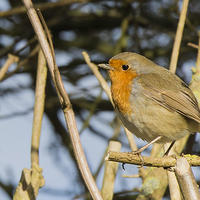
point(64, 100)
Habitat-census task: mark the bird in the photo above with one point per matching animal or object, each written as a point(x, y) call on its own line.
point(151, 102)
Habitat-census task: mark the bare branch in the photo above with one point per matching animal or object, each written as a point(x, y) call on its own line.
point(41, 6)
point(195, 83)
point(110, 173)
point(178, 38)
point(11, 59)
point(67, 109)
point(174, 188)
point(96, 72)
point(192, 45)
point(39, 107)
point(186, 179)
point(30, 182)
point(22, 63)
point(166, 162)
point(198, 57)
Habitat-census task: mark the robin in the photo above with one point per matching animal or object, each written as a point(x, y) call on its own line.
point(152, 103)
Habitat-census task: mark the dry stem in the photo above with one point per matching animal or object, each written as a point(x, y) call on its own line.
point(178, 38)
point(64, 100)
point(98, 75)
point(192, 45)
point(186, 180)
point(41, 6)
point(174, 188)
point(30, 182)
point(22, 63)
point(166, 162)
point(39, 107)
point(198, 57)
point(110, 173)
point(11, 59)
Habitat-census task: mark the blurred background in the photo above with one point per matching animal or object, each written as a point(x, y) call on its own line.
point(102, 29)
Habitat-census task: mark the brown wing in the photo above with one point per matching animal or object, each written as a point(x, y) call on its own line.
point(171, 93)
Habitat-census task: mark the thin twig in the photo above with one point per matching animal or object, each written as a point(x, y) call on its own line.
point(11, 59)
point(41, 6)
point(98, 75)
point(22, 63)
point(123, 40)
point(68, 112)
point(131, 176)
point(195, 83)
point(31, 41)
point(193, 45)
point(115, 134)
point(131, 140)
point(198, 57)
point(38, 108)
point(174, 188)
point(178, 38)
point(91, 112)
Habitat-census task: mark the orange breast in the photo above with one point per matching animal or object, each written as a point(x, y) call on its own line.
point(121, 83)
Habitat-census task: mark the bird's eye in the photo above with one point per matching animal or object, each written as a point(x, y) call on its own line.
point(125, 67)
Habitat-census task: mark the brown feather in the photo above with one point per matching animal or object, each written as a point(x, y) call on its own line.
point(177, 98)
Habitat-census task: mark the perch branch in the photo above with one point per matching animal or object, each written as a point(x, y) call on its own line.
point(166, 162)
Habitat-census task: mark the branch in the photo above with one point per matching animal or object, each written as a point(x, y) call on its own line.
point(11, 59)
point(178, 38)
point(32, 179)
point(110, 173)
point(64, 100)
point(22, 63)
point(198, 57)
point(41, 6)
point(193, 45)
point(30, 182)
point(174, 188)
point(39, 107)
point(166, 162)
point(188, 185)
point(98, 75)
point(195, 83)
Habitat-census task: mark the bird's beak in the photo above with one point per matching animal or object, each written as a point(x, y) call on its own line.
point(105, 66)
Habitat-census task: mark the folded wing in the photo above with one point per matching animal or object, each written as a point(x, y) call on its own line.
point(174, 95)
